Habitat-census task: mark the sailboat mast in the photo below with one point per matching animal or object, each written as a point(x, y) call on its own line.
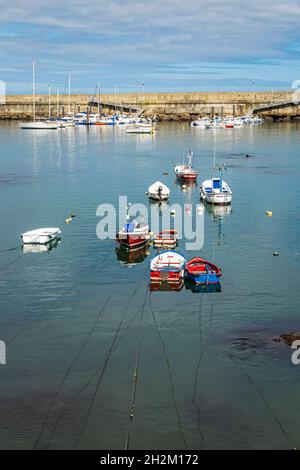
point(33, 89)
point(57, 102)
point(99, 98)
point(69, 102)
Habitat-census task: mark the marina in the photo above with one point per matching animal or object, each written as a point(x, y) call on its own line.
point(77, 302)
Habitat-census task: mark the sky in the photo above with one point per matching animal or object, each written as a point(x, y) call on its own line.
point(150, 46)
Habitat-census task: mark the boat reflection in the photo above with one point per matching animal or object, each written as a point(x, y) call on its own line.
point(185, 186)
point(218, 212)
point(131, 257)
point(166, 286)
point(202, 288)
point(34, 248)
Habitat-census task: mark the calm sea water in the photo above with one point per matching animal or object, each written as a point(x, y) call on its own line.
point(78, 320)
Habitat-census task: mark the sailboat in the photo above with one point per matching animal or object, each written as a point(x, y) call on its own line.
point(36, 124)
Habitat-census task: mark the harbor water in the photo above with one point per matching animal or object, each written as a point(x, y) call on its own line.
point(79, 320)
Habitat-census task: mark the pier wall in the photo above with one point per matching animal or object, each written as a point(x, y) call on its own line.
point(167, 106)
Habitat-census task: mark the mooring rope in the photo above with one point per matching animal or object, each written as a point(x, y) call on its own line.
point(71, 367)
point(9, 341)
point(259, 392)
point(264, 399)
point(164, 348)
point(106, 362)
point(135, 375)
point(91, 379)
point(194, 401)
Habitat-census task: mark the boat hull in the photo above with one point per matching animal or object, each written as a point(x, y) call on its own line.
point(38, 126)
point(206, 278)
point(186, 177)
point(220, 199)
point(133, 242)
point(166, 276)
point(35, 238)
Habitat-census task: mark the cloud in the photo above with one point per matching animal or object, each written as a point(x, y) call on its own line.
point(134, 36)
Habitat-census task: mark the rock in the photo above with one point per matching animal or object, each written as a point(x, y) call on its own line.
point(287, 338)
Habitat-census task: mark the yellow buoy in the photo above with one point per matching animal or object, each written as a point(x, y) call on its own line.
point(269, 213)
point(69, 220)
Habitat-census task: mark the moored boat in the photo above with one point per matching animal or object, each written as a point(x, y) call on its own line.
point(167, 266)
point(166, 239)
point(133, 234)
point(141, 129)
point(40, 236)
point(216, 191)
point(202, 271)
point(158, 191)
point(186, 172)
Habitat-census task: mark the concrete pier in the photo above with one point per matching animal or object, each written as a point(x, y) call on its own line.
point(167, 106)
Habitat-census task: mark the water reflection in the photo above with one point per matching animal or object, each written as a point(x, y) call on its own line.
point(34, 248)
point(166, 286)
point(202, 288)
point(131, 257)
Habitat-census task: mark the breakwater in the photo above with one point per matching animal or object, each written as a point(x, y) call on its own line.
point(166, 106)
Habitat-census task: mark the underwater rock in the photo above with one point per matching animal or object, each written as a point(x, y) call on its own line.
point(287, 338)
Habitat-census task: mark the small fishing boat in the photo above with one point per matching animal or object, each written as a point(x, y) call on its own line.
point(201, 271)
point(158, 191)
point(133, 234)
point(40, 236)
point(186, 172)
point(216, 191)
point(166, 239)
point(167, 266)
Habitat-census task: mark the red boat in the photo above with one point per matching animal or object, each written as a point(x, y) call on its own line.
point(202, 271)
point(133, 235)
point(186, 172)
point(167, 266)
point(166, 239)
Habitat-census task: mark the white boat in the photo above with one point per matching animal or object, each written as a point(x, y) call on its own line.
point(216, 191)
point(186, 172)
point(167, 266)
point(141, 129)
point(158, 191)
point(37, 124)
point(40, 236)
point(201, 123)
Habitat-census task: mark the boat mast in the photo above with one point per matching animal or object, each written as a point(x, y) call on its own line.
point(33, 89)
point(99, 98)
point(57, 102)
point(49, 101)
point(221, 178)
point(69, 98)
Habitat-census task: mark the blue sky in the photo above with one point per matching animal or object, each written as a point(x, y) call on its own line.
point(169, 45)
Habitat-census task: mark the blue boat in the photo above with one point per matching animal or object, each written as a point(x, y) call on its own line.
point(202, 271)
